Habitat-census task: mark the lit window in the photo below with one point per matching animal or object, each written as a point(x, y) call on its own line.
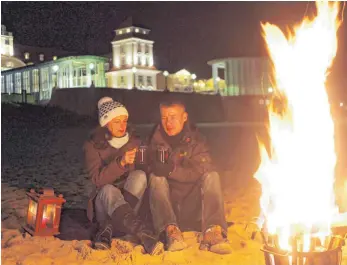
point(27, 56)
point(136, 30)
point(120, 32)
point(140, 80)
point(128, 30)
point(144, 32)
point(122, 81)
point(147, 49)
point(7, 42)
point(42, 57)
point(149, 81)
point(55, 58)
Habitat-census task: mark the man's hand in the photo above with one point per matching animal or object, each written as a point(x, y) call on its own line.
point(128, 158)
point(162, 169)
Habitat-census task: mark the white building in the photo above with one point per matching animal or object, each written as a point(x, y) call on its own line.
point(8, 61)
point(133, 64)
point(243, 75)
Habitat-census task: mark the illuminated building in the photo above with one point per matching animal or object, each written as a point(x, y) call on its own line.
point(132, 58)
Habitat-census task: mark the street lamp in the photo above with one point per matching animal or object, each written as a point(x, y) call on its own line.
point(193, 76)
point(166, 74)
point(134, 70)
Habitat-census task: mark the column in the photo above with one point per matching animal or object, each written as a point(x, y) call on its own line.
point(89, 74)
point(135, 54)
point(214, 77)
point(50, 83)
point(70, 75)
point(143, 55)
point(31, 87)
point(150, 55)
point(40, 86)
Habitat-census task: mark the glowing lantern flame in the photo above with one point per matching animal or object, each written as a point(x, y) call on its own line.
point(297, 178)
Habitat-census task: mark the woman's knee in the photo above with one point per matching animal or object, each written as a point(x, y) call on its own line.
point(108, 191)
point(136, 182)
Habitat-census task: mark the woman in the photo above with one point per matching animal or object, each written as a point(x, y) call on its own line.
point(110, 155)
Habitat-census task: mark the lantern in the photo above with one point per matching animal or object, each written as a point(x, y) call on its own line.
point(44, 211)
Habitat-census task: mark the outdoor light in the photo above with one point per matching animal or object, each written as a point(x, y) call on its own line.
point(55, 68)
point(91, 66)
point(44, 211)
point(134, 70)
point(193, 76)
point(217, 78)
point(165, 73)
point(270, 90)
point(341, 104)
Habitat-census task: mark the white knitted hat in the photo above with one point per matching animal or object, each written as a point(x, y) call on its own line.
point(109, 109)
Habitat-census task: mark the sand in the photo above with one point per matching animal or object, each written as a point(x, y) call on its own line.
point(53, 157)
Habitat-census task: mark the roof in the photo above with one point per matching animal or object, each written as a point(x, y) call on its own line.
point(223, 60)
point(35, 51)
point(129, 22)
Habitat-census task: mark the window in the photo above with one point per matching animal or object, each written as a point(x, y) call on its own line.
point(55, 58)
point(140, 80)
point(121, 49)
point(27, 56)
point(122, 82)
point(2, 84)
point(7, 42)
point(149, 81)
point(147, 49)
point(65, 77)
point(35, 76)
point(26, 84)
point(123, 61)
point(45, 89)
point(138, 47)
point(120, 32)
point(128, 30)
point(136, 30)
point(42, 57)
point(9, 84)
point(18, 83)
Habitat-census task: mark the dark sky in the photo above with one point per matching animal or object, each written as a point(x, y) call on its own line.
point(186, 34)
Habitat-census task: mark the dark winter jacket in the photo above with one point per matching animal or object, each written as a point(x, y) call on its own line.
point(103, 161)
point(191, 158)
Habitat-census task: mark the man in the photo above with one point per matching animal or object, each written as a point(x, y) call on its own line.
point(185, 191)
point(110, 154)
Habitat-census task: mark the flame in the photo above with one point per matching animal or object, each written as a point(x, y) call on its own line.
point(297, 176)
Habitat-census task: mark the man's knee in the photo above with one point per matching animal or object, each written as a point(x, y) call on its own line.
point(136, 182)
point(157, 182)
point(211, 179)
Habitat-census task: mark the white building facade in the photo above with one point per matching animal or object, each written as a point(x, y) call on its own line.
point(133, 64)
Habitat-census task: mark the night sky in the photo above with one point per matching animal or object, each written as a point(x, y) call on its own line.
point(186, 34)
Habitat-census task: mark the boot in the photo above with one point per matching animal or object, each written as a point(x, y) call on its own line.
point(125, 220)
point(174, 239)
point(130, 198)
point(214, 241)
point(103, 237)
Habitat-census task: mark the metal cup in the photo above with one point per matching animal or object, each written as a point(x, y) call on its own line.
point(141, 154)
point(162, 154)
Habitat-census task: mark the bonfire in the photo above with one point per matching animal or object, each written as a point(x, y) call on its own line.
point(297, 175)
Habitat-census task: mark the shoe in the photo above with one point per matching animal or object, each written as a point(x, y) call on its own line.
point(214, 241)
point(125, 220)
point(174, 239)
point(103, 238)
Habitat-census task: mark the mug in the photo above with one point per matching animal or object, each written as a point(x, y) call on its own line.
point(162, 154)
point(141, 154)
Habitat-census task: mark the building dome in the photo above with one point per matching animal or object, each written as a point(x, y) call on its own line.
point(9, 62)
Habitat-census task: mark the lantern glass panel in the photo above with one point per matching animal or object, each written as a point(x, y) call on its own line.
point(32, 213)
point(48, 215)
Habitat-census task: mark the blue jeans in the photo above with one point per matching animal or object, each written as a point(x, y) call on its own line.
point(209, 200)
point(110, 197)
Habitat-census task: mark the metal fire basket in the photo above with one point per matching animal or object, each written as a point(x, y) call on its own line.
point(328, 253)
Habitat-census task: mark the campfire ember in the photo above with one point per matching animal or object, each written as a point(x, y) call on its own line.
point(297, 175)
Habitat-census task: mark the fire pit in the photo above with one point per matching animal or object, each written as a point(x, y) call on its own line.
point(320, 253)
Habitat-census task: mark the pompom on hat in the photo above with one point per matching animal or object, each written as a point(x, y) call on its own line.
point(109, 109)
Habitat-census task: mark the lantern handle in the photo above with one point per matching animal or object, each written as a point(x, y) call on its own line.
point(46, 191)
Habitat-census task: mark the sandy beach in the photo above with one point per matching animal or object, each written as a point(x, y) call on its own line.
point(34, 156)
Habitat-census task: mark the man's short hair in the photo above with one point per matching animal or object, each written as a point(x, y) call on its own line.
point(172, 102)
